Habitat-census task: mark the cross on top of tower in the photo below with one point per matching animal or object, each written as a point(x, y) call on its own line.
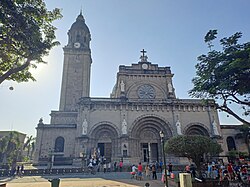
point(143, 56)
point(143, 52)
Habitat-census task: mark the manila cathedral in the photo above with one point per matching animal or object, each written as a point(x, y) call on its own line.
point(125, 125)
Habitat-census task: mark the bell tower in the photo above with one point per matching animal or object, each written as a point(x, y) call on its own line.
point(76, 65)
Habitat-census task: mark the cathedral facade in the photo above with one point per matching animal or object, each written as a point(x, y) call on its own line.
point(127, 124)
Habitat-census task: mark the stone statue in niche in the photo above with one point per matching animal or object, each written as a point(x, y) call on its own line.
point(170, 88)
point(84, 127)
point(124, 127)
point(122, 85)
point(178, 126)
point(215, 128)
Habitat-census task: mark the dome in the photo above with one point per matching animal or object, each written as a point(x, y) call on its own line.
point(79, 24)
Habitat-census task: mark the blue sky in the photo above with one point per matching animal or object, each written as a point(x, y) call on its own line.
point(171, 31)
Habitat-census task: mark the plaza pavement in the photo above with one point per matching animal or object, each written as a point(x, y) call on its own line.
point(112, 179)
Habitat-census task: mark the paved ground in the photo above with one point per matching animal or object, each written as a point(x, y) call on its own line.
point(77, 180)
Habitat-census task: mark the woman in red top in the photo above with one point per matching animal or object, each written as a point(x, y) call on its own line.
point(230, 171)
point(139, 171)
point(120, 166)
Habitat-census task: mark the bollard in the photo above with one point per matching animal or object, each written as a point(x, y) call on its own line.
point(185, 180)
point(54, 182)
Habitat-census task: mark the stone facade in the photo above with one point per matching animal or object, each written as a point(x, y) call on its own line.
point(232, 139)
point(127, 124)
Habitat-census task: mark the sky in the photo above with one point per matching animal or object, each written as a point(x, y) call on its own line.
point(171, 31)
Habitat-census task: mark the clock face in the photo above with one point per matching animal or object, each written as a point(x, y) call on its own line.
point(77, 45)
point(146, 92)
point(144, 66)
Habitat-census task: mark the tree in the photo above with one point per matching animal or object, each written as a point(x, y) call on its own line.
point(10, 148)
point(225, 75)
point(26, 36)
point(29, 146)
point(193, 147)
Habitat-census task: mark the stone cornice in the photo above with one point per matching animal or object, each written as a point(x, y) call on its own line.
point(154, 104)
point(63, 113)
point(45, 126)
point(135, 69)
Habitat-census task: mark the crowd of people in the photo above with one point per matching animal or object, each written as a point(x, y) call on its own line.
point(220, 171)
point(150, 171)
point(210, 170)
point(230, 172)
point(101, 164)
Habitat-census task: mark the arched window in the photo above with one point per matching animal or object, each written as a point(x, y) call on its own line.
point(197, 130)
point(230, 143)
point(59, 144)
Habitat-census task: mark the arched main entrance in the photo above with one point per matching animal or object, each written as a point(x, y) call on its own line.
point(104, 140)
point(146, 139)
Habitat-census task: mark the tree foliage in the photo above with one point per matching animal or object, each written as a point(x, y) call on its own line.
point(224, 75)
point(10, 148)
point(29, 146)
point(193, 147)
point(26, 36)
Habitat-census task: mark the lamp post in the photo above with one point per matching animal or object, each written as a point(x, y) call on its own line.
point(164, 159)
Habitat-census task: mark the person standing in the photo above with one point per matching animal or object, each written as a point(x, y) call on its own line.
point(209, 170)
point(22, 168)
point(133, 172)
point(139, 175)
point(230, 171)
point(115, 166)
point(104, 167)
point(109, 167)
point(18, 171)
point(120, 165)
point(160, 165)
point(157, 166)
point(154, 172)
point(147, 172)
point(170, 168)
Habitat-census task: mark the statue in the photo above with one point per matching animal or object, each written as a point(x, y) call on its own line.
point(122, 84)
point(124, 127)
point(41, 121)
point(215, 129)
point(84, 127)
point(178, 126)
point(170, 88)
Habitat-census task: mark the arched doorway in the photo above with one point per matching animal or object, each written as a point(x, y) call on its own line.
point(146, 139)
point(231, 143)
point(104, 141)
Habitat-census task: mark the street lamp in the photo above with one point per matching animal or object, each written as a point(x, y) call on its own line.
point(164, 159)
